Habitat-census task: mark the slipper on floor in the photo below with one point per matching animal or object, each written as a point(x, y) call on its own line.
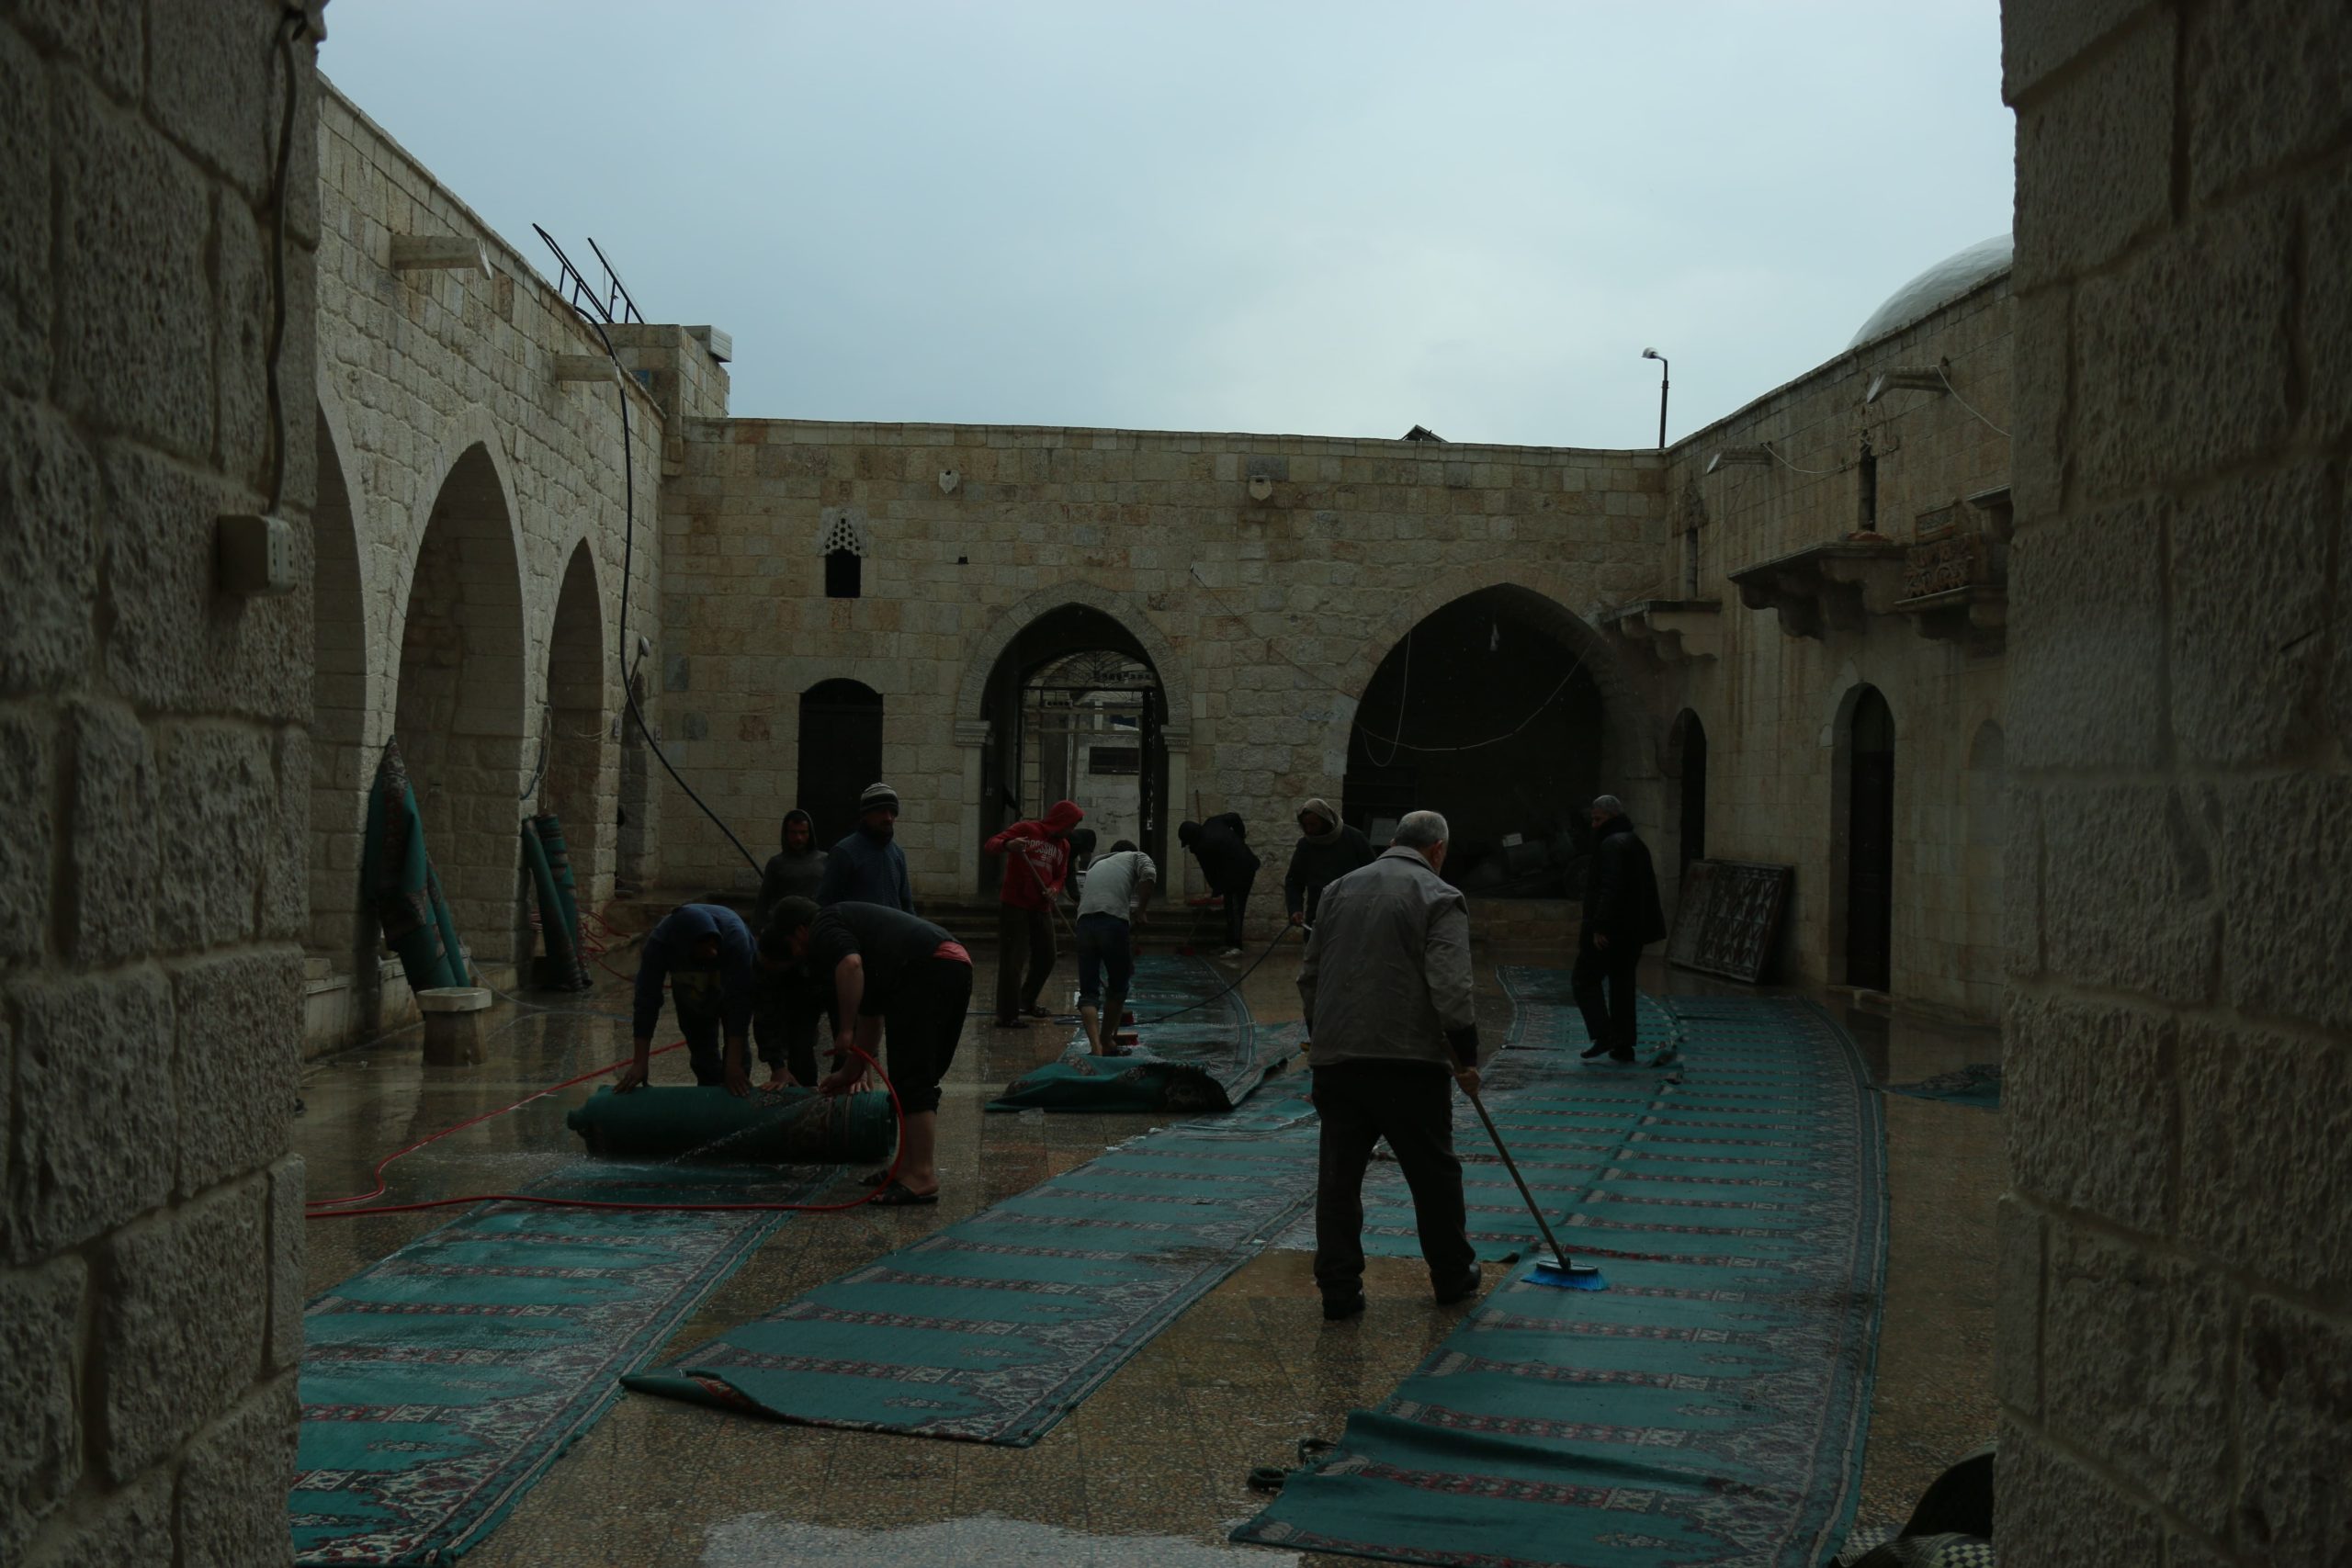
point(897, 1196)
point(875, 1178)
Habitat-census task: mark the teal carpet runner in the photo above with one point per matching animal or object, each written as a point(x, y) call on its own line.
point(1208, 1056)
point(440, 1383)
point(1711, 1405)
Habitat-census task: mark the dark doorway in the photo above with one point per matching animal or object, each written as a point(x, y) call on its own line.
point(1691, 739)
point(1485, 713)
point(1870, 843)
point(1076, 710)
point(841, 753)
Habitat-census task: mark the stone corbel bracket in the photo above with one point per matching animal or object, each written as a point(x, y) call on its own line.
point(1671, 630)
point(1834, 587)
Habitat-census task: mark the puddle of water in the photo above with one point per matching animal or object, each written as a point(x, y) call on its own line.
point(756, 1540)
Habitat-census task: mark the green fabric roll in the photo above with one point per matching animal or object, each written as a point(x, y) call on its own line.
point(554, 931)
point(788, 1126)
point(567, 890)
point(398, 883)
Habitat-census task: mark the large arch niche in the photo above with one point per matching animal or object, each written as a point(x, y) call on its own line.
point(579, 784)
point(1041, 722)
point(1487, 712)
point(459, 719)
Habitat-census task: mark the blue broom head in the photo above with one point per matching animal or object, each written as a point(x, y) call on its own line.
point(1569, 1277)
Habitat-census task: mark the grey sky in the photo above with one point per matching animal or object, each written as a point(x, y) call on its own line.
point(1340, 219)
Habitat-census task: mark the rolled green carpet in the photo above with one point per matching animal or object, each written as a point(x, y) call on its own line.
point(786, 1126)
point(398, 884)
point(556, 932)
point(567, 890)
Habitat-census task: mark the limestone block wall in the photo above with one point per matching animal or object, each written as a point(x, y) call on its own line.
point(154, 773)
point(2175, 1335)
point(1773, 705)
point(1266, 608)
point(467, 487)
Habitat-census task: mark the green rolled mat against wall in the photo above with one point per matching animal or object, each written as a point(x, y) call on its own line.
point(397, 882)
point(567, 890)
point(558, 926)
point(786, 1126)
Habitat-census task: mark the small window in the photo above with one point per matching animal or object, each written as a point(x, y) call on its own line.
point(1114, 759)
point(843, 572)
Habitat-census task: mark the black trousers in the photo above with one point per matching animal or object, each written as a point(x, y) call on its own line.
point(706, 1047)
point(785, 1028)
point(1411, 1105)
point(1603, 982)
point(1024, 958)
point(1237, 902)
point(921, 1028)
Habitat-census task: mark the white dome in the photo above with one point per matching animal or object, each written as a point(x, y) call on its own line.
point(1940, 285)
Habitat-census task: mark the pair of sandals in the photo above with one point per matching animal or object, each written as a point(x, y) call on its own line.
point(892, 1193)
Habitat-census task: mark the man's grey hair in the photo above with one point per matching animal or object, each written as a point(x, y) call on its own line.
point(1610, 804)
point(1419, 830)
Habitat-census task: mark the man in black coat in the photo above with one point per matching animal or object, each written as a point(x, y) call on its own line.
point(1222, 846)
point(1327, 850)
point(1621, 915)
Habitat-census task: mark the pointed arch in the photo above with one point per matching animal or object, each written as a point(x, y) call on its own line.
point(981, 660)
point(581, 780)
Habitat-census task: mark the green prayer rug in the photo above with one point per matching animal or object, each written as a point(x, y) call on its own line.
point(438, 1385)
point(1711, 1405)
point(1208, 1056)
point(991, 1330)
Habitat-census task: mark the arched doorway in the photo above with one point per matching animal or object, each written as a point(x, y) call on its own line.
point(340, 768)
point(459, 719)
point(1688, 774)
point(1869, 840)
point(579, 785)
point(1076, 708)
point(1486, 711)
point(841, 753)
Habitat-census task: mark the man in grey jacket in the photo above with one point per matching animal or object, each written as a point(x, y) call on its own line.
point(1387, 989)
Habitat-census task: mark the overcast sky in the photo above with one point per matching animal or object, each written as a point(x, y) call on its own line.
point(1335, 218)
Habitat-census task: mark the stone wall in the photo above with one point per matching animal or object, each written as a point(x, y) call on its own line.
point(154, 770)
point(1773, 703)
point(1265, 606)
point(473, 530)
point(2174, 1353)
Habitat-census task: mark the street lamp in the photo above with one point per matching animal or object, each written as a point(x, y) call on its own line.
point(1662, 384)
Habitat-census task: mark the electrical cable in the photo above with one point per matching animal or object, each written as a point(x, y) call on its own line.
point(1576, 667)
point(1945, 376)
point(1815, 473)
point(296, 24)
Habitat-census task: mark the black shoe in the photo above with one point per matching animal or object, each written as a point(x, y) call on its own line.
point(1339, 1309)
point(1594, 1052)
point(1462, 1289)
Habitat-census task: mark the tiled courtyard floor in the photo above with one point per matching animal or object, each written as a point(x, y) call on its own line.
point(1150, 1468)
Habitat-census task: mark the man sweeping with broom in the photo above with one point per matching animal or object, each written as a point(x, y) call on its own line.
point(1386, 991)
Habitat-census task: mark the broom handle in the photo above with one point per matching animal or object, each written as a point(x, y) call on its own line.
point(1532, 1207)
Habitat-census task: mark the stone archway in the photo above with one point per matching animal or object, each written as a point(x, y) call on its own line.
point(579, 784)
point(1048, 625)
point(1487, 710)
point(460, 717)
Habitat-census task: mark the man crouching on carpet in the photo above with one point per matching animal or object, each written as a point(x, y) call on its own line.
point(1386, 991)
point(881, 971)
point(704, 952)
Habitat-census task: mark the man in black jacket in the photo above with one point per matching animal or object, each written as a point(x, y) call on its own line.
point(1621, 916)
point(1222, 846)
point(1327, 850)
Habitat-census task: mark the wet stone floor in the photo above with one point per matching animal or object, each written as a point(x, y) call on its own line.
point(1150, 1468)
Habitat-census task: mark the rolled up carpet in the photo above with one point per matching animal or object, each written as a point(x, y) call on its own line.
point(558, 926)
point(788, 1126)
point(558, 857)
point(398, 884)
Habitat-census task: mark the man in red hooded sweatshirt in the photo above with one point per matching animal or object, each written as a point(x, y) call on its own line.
point(1037, 865)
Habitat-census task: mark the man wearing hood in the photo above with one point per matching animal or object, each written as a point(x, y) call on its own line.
point(704, 954)
point(1037, 865)
point(787, 1040)
point(1622, 914)
point(1222, 846)
point(1327, 850)
point(868, 867)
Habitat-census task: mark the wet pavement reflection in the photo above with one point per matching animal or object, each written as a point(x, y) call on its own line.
point(1151, 1467)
